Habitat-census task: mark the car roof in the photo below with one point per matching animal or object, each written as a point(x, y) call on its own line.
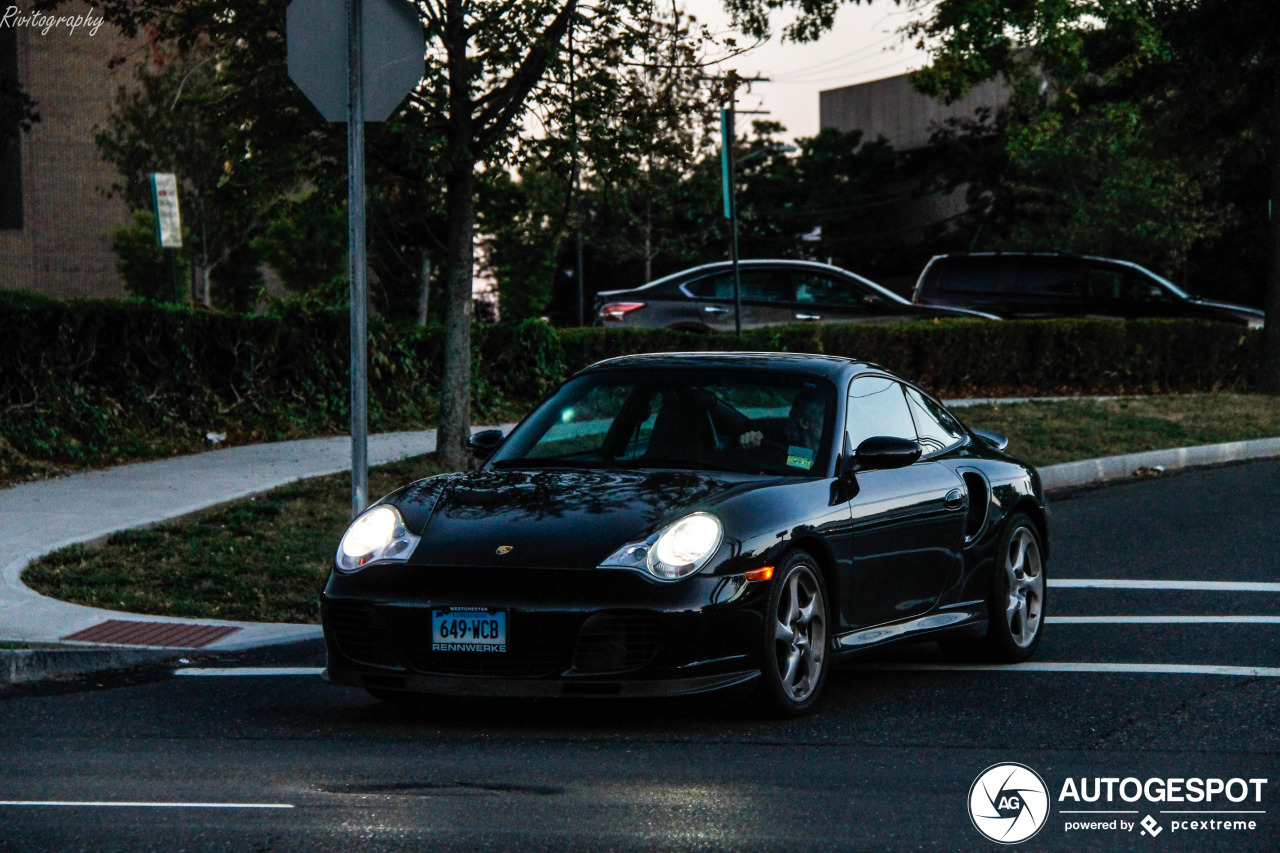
point(691, 273)
point(1073, 256)
point(828, 366)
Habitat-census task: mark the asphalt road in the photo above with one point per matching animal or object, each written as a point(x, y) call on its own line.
point(286, 762)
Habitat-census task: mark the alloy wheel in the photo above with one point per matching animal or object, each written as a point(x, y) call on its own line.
point(1024, 569)
point(800, 634)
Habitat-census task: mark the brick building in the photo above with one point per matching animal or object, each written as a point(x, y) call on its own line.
point(55, 219)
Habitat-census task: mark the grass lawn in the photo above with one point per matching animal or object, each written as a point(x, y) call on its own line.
point(1050, 433)
point(259, 559)
point(266, 558)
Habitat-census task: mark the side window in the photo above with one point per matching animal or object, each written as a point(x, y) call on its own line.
point(975, 275)
point(877, 407)
point(711, 287)
point(1136, 287)
point(1104, 284)
point(817, 289)
point(757, 285)
point(1049, 278)
point(936, 428)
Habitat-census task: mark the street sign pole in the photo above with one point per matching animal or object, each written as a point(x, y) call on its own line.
point(355, 60)
point(357, 267)
point(731, 208)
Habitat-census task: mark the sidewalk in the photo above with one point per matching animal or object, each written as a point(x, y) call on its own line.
point(37, 518)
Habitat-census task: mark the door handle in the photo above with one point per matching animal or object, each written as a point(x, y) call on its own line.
point(808, 317)
point(955, 499)
point(715, 309)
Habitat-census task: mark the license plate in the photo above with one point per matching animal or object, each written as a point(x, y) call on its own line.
point(459, 630)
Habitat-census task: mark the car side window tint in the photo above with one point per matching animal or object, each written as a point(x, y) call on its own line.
point(818, 289)
point(1104, 284)
point(1136, 287)
point(877, 407)
point(711, 287)
point(935, 427)
point(756, 285)
point(975, 275)
point(1050, 278)
point(1119, 284)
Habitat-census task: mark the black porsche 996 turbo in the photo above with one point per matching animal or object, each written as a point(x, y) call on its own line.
point(670, 524)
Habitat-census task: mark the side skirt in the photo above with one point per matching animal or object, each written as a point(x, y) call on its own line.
point(966, 618)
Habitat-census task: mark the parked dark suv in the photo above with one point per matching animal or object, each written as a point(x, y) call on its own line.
point(772, 293)
point(1014, 284)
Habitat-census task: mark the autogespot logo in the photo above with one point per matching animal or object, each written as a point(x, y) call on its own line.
point(1008, 803)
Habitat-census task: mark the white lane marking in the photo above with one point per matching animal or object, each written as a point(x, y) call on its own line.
point(1203, 586)
point(1163, 620)
point(250, 670)
point(1140, 668)
point(105, 804)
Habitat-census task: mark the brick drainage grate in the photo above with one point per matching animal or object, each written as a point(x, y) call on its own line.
point(129, 632)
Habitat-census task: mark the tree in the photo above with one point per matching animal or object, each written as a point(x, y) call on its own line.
point(1170, 105)
point(237, 158)
point(485, 63)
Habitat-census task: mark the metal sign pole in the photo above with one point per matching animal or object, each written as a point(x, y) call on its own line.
point(356, 264)
point(731, 208)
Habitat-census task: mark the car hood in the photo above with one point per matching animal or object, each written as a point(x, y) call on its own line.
point(1240, 310)
point(553, 518)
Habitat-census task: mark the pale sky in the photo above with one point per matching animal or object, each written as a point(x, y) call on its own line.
point(863, 46)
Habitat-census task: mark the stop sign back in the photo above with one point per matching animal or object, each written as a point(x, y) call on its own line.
point(393, 52)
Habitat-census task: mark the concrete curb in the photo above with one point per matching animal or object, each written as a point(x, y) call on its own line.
point(19, 666)
point(1112, 469)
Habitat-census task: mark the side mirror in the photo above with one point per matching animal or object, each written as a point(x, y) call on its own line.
point(998, 440)
point(882, 451)
point(483, 443)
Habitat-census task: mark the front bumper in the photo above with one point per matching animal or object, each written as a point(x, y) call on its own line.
point(569, 633)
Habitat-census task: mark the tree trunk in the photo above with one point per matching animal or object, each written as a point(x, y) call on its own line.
point(1269, 370)
point(424, 295)
point(455, 383)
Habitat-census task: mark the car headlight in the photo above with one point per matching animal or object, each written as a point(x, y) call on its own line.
point(1256, 322)
point(676, 551)
point(377, 535)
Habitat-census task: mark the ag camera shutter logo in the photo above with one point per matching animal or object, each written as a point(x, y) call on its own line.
point(1008, 803)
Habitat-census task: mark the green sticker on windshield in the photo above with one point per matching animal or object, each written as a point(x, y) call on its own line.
point(799, 457)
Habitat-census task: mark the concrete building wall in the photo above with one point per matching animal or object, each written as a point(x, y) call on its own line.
point(892, 109)
point(63, 248)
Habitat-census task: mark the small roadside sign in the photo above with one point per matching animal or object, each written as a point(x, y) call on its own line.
point(164, 195)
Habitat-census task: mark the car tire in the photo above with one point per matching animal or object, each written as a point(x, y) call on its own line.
point(1016, 601)
point(795, 657)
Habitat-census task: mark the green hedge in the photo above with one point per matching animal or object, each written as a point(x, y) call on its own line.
point(87, 382)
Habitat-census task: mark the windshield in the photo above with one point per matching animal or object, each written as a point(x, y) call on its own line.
point(751, 422)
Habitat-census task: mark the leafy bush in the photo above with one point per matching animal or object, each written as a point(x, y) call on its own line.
point(90, 382)
point(144, 266)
